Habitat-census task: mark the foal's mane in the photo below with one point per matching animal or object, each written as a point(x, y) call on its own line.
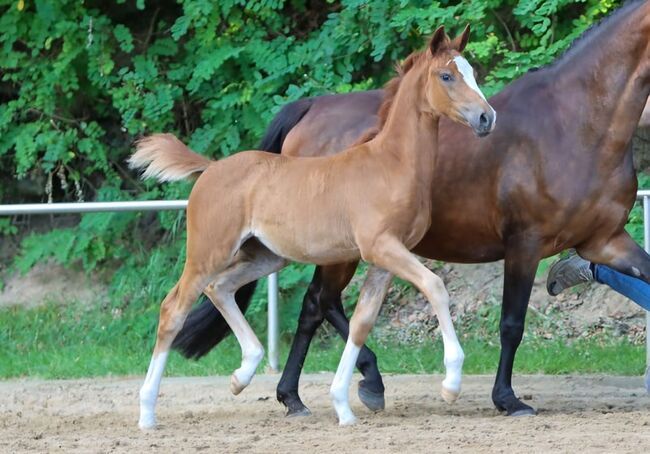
point(391, 87)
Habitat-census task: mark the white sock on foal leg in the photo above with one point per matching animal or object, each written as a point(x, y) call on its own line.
point(149, 391)
point(454, 358)
point(252, 355)
point(340, 388)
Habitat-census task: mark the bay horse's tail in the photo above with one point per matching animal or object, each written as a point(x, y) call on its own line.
point(204, 327)
point(165, 158)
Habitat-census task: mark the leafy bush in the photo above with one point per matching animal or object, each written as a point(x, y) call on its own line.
point(81, 80)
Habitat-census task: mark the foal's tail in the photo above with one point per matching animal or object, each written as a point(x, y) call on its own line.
point(204, 327)
point(164, 157)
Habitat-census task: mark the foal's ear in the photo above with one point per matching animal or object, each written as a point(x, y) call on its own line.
point(438, 40)
point(461, 40)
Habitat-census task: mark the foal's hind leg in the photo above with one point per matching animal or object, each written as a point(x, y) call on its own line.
point(201, 266)
point(251, 263)
point(173, 311)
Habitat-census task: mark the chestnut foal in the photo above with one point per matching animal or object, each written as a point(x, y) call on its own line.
point(252, 212)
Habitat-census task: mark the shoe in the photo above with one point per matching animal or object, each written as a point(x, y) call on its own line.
point(568, 272)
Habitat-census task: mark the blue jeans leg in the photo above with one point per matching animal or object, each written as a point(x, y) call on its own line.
point(631, 287)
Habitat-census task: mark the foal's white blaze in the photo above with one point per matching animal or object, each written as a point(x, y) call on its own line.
point(149, 391)
point(468, 74)
point(341, 384)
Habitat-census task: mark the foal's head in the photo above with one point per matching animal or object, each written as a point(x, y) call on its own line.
point(451, 89)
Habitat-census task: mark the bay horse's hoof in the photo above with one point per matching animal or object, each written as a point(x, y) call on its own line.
point(291, 400)
point(448, 395)
point(524, 412)
point(514, 407)
point(235, 386)
point(297, 412)
point(374, 401)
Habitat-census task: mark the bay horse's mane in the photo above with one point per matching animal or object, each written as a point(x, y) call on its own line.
point(589, 33)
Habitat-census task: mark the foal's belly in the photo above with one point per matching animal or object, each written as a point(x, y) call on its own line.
point(312, 246)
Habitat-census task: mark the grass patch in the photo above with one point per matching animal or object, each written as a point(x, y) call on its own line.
point(73, 341)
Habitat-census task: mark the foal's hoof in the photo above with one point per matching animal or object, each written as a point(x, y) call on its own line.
point(297, 412)
point(374, 401)
point(147, 424)
point(350, 420)
point(235, 386)
point(448, 395)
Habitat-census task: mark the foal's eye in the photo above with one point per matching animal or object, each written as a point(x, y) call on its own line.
point(446, 77)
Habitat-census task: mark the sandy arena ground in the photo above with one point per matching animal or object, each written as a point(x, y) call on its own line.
point(576, 414)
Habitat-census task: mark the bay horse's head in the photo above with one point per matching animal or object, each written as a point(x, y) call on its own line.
point(451, 89)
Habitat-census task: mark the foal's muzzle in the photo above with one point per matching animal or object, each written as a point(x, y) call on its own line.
point(483, 122)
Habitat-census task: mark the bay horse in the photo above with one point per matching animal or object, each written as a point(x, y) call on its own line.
point(251, 213)
point(556, 173)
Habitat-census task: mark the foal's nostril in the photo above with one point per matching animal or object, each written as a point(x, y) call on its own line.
point(484, 120)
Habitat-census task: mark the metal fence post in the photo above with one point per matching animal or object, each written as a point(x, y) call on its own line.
point(646, 244)
point(273, 328)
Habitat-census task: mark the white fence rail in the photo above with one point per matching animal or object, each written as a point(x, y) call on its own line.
point(153, 205)
point(273, 321)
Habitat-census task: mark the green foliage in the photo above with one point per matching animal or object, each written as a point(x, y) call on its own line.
point(79, 81)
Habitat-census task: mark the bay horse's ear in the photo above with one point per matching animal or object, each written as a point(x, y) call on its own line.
point(461, 40)
point(438, 40)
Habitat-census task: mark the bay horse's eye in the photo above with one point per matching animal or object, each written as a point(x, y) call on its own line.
point(446, 77)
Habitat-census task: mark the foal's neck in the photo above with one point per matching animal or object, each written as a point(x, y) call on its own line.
point(410, 135)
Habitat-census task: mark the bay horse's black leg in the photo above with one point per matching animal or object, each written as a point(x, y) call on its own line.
point(323, 301)
point(520, 267)
point(311, 317)
point(622, 253)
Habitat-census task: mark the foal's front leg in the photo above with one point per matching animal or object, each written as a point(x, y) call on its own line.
point(372, 294)
point(323, 301)
point(389, 253)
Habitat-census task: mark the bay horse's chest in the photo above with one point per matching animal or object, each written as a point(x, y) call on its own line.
point(559, 214)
